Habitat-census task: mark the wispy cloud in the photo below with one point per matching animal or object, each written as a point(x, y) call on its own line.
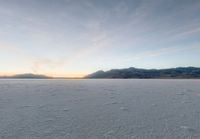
point(42, 64)
point(162, 51)
point(189, 32)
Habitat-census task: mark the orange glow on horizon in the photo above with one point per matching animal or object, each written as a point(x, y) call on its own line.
point(71, 75)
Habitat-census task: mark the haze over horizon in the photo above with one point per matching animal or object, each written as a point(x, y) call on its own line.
point(72, 38)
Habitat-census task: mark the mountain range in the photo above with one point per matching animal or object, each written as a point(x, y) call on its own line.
point(180, 72)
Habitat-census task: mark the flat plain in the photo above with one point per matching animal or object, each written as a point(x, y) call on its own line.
point(100, 109)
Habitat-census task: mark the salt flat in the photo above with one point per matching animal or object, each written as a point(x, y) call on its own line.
point(100, 109)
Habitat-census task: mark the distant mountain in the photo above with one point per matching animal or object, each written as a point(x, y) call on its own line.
point(27, 76)
point(180, 72)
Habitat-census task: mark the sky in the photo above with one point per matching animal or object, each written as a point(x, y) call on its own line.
point(72, 38)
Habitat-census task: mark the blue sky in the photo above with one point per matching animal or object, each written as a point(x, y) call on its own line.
point(76, 37)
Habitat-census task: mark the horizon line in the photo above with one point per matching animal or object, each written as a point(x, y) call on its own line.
point(81, 77)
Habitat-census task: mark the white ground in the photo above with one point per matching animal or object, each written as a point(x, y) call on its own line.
point(99, 109)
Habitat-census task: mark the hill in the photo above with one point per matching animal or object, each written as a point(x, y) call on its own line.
point(26, 76)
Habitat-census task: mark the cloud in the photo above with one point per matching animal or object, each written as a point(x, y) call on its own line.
point(189, 32)
point(41, 64)
point(12, 49)
point(161, 51)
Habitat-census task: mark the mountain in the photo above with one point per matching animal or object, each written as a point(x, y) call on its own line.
point(27, 76)
point(180, 72)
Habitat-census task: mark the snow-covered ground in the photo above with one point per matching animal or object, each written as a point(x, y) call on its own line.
point(100, 109)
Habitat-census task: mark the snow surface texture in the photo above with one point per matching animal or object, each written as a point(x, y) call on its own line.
point(100, 109)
